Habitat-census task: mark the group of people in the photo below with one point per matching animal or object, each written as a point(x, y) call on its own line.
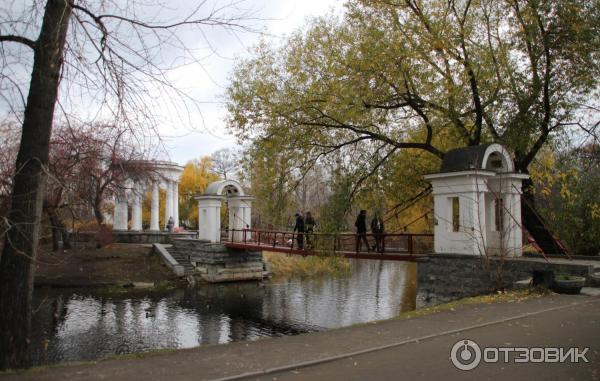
point(305, 226)
point(377, 229)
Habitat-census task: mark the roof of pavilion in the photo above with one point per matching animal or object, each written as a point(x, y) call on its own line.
point(232, 187)
point(463, 159)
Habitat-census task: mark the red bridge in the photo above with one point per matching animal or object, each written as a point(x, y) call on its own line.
point(393, 246)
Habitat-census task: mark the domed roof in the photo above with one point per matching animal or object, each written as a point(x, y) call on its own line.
point(492, 157)
point(231, 187)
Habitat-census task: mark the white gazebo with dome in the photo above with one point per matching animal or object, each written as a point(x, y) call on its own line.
point(209, 211)
point(477, 202)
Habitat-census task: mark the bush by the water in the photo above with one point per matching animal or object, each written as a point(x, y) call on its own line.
point(295, 265)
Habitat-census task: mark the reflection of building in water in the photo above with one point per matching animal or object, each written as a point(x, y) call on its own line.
point(93, 326)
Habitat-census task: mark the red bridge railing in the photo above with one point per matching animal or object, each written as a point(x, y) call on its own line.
point(344, 243)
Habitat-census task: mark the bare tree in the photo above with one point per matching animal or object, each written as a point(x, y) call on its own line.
point(9, 145)
point(112, 54)
point(225, 162)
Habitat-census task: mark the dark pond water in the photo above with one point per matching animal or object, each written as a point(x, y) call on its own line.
point(73, 325)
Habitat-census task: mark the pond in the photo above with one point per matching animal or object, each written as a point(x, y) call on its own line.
point(83, 324)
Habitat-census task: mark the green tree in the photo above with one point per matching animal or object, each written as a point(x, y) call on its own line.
point(396, 75)
point(568, 195)
point(268, 172)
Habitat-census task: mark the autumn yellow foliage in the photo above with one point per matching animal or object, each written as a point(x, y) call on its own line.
point(295, 265)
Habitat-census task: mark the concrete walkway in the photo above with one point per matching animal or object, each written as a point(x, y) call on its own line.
point(417, 348)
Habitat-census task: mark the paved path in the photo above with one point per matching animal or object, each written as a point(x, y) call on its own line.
point(417, 348)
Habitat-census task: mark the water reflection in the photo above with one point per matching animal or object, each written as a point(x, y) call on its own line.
point(83, 325)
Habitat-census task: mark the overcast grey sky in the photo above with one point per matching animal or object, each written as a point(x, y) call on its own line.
point(207, 82)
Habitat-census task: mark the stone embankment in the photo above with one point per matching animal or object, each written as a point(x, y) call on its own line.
point(212, 262)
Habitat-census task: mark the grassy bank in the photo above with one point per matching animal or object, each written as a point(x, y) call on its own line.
point(295, 265)
point(500, 297)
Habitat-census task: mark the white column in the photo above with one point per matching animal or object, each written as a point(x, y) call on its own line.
point(168, 202)
point(176, 203)
point(513, 223)
point(479, 226)
point(136, 208)
point(239, 216)
point(209, 218)
point(233, 222)
point(248, 214)
point(154, 207)
point(120, 214)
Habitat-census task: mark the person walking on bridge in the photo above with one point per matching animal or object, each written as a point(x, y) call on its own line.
point(361, 230)
point(299, 227)
point(378, 230)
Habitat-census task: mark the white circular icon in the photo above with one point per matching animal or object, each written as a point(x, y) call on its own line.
point(465, 355)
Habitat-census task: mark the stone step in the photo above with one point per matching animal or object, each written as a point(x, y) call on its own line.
point(182, 260)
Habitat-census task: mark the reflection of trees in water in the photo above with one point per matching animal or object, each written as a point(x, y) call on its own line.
point(90, 325)
point(236, 309)
point(375, 290)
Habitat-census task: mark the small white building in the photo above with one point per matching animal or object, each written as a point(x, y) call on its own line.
point(209, 211)
point(477, 202)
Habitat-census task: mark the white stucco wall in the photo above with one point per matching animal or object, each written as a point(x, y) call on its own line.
point(469, 188)
point(209, 218)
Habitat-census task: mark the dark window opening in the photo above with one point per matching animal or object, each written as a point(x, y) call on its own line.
point(455, 214)
point(499, 214)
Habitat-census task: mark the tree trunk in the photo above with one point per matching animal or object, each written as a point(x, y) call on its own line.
point(98, 210)
point(56, 236)
point(59, 231)
point(21, 240)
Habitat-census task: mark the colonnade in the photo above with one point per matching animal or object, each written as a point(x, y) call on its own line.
point(134, 197)
point(162, 175)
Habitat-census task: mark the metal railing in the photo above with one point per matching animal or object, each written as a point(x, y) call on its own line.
point(389, 243)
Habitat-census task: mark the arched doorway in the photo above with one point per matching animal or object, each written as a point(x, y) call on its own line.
point(209, 210)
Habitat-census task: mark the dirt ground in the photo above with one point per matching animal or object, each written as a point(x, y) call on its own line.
point(114, 264)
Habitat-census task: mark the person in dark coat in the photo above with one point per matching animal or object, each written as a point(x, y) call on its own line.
point(378, 231)
point(361, 230)
point(299, 227)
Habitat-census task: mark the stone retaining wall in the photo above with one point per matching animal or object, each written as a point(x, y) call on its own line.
point(446, 277)
point(134, 237)
point(216, 263)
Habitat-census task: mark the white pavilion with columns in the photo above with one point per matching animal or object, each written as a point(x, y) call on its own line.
point(477, 202)
point(209, 211)
point(154, 176)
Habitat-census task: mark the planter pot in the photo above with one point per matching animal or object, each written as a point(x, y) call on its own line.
point(595, 280)
point(570, 285)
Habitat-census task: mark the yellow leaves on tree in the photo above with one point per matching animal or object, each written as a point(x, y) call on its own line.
point(196, 176)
